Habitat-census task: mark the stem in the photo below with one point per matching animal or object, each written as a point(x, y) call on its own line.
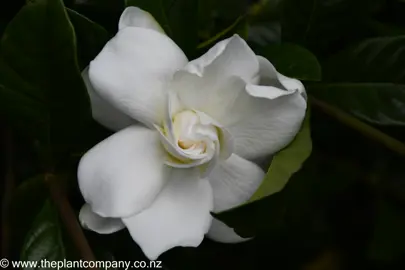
point(367, 130)
point(69, 218)
point(9, 185)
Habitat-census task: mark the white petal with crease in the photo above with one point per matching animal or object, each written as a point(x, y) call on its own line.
point(234, 181)
point(136, 17)
point(132, 70)
point(103, 112)
point(180, 216)
point(123, 174)
point(94, 222)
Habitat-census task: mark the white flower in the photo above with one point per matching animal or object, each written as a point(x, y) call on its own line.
point(202, 121)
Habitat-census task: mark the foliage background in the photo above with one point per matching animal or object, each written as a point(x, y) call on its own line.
point(344, 209)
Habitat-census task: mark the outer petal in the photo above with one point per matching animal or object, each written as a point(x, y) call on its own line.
point(220, 232)
point(132, 70)
point(260, 119)
point(268, 75)
point(124, 173)
point(203, 80)
point(102, 111)
point(269, 124)
point(180, 216)
point(94, 222)
point(136, 17)
point(234, 181)
point(231, 57)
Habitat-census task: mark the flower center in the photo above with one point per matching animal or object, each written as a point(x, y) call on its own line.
point(186, 127)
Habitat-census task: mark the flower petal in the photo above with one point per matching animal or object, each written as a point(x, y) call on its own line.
point(220, 232)
point(132, 70)
point(123, 174)
point(234, 181)
point(269, 124)
point(136, 17)
point(268, 75)
point(229, 57)
point(204, 84)
point(180, 216)
point(92, 221)
point(260, 119)
point(198, 65)
point(103, 112)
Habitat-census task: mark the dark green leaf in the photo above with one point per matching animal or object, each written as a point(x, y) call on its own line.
point(387, 242)
point(26, 202)
point(285, 163)
point(238, 24)
point(372, 60)
point(323, 25)
point(90, 36)
point(376, 103)
point(39, 70)
point(44, 240)
point(264, 23)
point(293, 61)
point(104, 12)
point(179, 19)
point(380, 29)
point(264, 34)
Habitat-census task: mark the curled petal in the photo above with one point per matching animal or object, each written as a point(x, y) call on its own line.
point(123, 174)
point(269, 76)
point(96, 223)
point(180, 216)
point(220, 232)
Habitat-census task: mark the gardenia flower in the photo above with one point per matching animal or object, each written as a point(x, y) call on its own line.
point(186, 134)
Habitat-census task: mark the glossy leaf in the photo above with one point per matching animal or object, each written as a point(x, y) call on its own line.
point(293, 61)
point(321, 26)
point(26, 202)
point(372, 60)
point(104, 12)
point(40, 75)
point(178, 18)
point(376, 103)
point(44, 241)
point(90, 37)
point(286, 162)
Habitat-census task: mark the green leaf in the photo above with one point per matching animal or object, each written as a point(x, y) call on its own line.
point(104, 12)
point(44, 241)
point(179, 19)
point(240, 21)
point(372, 60)
point(320, 26)
point(26, 202)
point(387, 241)
point(39, 70)
point(90, 36)
point(385, 29)
point(286, 162)
point(376, 103)
point(293, 61)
